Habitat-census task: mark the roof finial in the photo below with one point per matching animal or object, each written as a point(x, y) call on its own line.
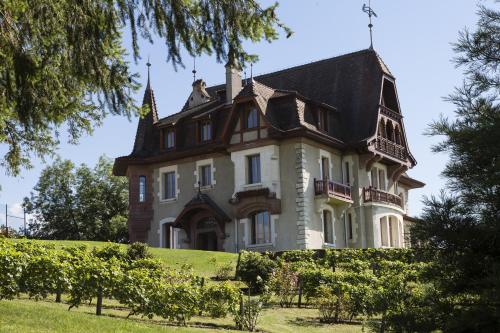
point(149, 65)
point(251, 71)
point(194, 69)
point(368, 9)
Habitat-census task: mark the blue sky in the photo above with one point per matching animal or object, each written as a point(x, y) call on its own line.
point(413, 37)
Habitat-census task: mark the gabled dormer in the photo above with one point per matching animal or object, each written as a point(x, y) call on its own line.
point(247, 121)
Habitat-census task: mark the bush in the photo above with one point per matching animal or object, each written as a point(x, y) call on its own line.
point(284, 284)
point(138, 250)
point(224, 271)
point(255, 270)
point(219, 300)
point(249, 312)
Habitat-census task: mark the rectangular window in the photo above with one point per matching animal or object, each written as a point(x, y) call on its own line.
point(205, 131)
point(347, 174)
point(252, 118)
point(328, 227)
point(374, 178)
point(169, 189)
point(261, 228)
point(396, 188)
point(381, 180)
point(349, 226)
point(206, 175)
point(142, 188)
point(168, 138)
point(323, 120)
point(325, 168)
point(253, 169)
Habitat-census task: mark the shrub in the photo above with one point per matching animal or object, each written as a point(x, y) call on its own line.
point(138, 250)
point(312, 278)
point(11, 268)
point(224, 271)
point(249, 312)
point(219, 300)
point(284, 283)
point(255, 270)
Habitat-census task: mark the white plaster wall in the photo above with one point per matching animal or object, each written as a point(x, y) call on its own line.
point(269, 164)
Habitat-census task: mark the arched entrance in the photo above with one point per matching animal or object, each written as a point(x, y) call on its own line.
point(204, 223)
point(206, 235)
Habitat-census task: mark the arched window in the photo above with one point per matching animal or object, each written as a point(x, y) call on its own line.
point(381, 128)
point(390, 232)
point(397, 135)
point(252, 118)
point(260, 227)
point(327, 227)
point(390, 131)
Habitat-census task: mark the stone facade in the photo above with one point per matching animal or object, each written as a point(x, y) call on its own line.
point(259, 167)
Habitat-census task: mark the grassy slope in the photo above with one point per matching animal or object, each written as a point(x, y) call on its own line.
point(201, 261)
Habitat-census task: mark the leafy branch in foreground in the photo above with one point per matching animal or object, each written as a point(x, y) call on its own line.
point(62, 63)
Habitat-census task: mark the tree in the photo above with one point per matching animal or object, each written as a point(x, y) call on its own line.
point(62, 61)
point(79, 203)
point(462, 230)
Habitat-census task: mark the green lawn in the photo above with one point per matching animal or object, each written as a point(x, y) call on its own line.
point(27, 316)
point(201, 261)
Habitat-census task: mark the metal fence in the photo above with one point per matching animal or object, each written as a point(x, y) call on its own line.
point(7, 225)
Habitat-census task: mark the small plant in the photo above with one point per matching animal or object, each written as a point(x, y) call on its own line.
point(219, 300)
point(138, 250)
point(224, 271)
point(332, 305)
point(246, 319)
point(284, 283)
point(255, 270)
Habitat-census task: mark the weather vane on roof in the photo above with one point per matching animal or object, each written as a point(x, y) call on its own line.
point(194, 69)
point(368, 9)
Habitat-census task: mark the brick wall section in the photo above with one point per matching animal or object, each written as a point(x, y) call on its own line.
point(303, 211)
point(140, 213)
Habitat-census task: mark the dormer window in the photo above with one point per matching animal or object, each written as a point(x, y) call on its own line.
point(251, 118)
point(322, 120)
point(168, 138)
point(205, 130)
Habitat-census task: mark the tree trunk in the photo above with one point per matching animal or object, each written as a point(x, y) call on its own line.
point(58, 296)
point(98, 307)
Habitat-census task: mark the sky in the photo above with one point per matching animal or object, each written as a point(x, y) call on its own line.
point(414, 38)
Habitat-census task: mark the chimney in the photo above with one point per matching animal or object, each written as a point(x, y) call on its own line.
point(233, 81)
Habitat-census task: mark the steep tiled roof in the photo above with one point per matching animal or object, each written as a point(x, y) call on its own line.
point(145, 129)
point(351, 83)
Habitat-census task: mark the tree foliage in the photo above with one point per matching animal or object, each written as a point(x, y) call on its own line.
point(462, 229)
point(62, 62)
point(71, 202)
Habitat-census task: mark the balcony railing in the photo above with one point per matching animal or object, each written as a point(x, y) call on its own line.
point(332, 188)
point(390, 113)
point(371, 194)
point(391, 148)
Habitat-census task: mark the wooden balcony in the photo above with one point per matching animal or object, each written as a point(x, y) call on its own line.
point(390, 113)
point(391, 148)
point(371, 194)
point(332, 189)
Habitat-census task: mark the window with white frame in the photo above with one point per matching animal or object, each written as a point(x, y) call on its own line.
point(169, 186)
point(142, 188)
point(260, 228)
point(254, 172)
point(327, 227)
point(205, 172)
